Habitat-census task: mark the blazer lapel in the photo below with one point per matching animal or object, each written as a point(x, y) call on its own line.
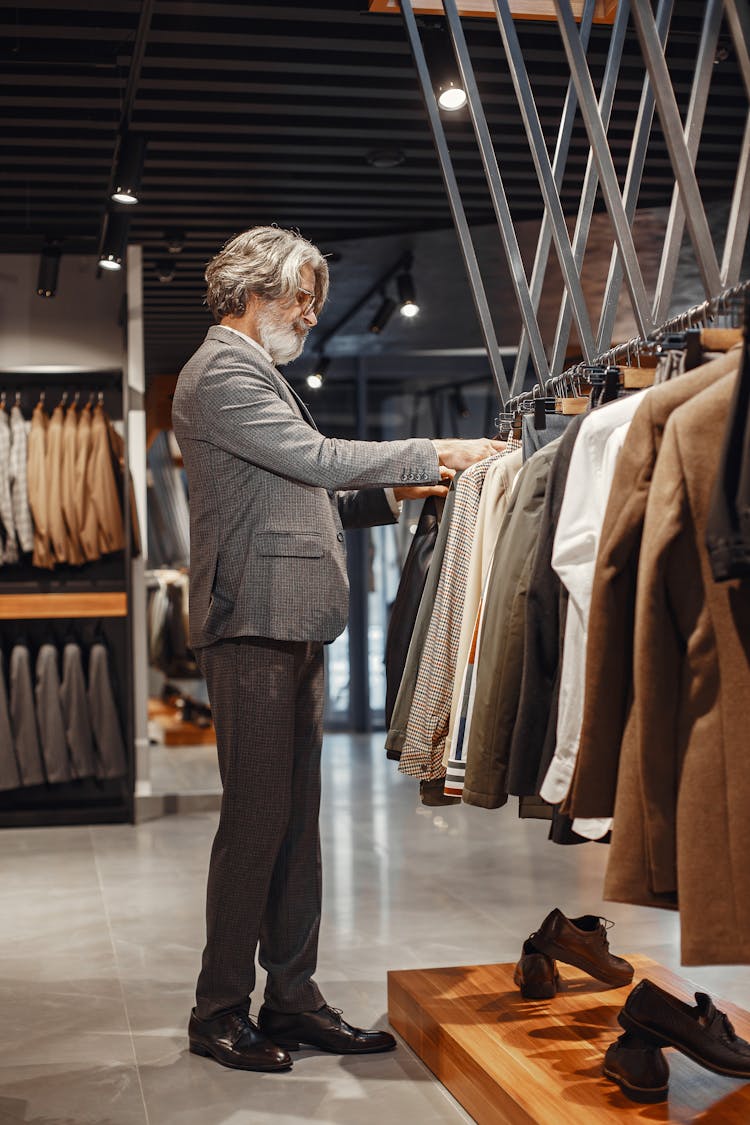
point(282, 382)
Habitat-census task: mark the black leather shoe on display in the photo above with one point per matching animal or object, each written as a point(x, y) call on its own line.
point(703, 1033)
point(234, 1040)
point(582, 942)
point(638, 1067)
point(324, 1029)
point(535, 974)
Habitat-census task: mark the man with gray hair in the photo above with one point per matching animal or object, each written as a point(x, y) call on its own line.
point(269, 499)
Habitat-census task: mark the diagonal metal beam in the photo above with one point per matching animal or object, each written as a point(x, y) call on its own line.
point(738, 18)
point(669, 115)
point(457, 210)
point(693, 126)
point(545, 175)
point(544, 242)
point(591, 180)
point(605, 167)
point(497, 191)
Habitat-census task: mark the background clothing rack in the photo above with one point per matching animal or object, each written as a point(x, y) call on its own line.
point(91, 602)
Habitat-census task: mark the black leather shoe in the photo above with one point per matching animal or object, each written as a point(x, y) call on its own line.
point(324, 1029)
point(582, 942)
point(639, 1068)
point(234, 1040)
point(703, 1033)
point(535, 974)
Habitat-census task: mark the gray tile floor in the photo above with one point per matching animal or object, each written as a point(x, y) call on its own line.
point(102, 931)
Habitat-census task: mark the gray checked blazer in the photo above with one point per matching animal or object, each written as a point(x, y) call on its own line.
point(269, 497)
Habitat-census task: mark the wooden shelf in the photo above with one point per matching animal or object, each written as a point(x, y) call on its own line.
point(511, 1061)
point(604, 11)
point(15, 607)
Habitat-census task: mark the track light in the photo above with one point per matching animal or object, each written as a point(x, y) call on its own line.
point(166, 268)
point(383, 315)
point(127, 184)
point(114, 240)
point(442, 66)
point(316, 377)
point(406, 297)
point(175, 240)
point(460, 405)
point(49, 268)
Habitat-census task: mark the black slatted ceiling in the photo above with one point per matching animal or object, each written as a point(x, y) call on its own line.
point(261, 113)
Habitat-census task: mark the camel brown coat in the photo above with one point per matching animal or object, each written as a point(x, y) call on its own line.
point(681, 828)
point(609, 646)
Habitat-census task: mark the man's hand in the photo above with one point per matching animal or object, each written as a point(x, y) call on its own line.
point(421, 491)
point(455, 453)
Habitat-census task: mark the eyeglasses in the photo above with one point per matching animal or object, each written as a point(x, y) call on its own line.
point(306, 300)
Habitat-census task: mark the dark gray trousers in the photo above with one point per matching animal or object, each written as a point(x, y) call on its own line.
point(264, 879)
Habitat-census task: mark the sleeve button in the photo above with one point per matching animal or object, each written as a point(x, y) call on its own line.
point(340, 536)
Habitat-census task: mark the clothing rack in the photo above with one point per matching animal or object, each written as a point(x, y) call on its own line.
point(88, 602)
point(728, 305)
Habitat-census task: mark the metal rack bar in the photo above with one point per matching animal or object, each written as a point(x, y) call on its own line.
point(693, 126)
point(669, 115)
point(497, 191)
point(738, 18)
point(591, 180)
point(457, 210)
point(544, 242)
point(545, 175)
point(633, 179)
point(605, 166)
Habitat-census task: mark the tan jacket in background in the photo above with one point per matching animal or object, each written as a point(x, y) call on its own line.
point(37, 487)
point(56, 521)
point(88, 526)
point(102, 486)
point(684, 785)
point(69, 451)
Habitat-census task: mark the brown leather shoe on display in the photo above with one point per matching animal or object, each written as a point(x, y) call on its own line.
point(325, 1029)
point(702, 1032)
point(582, 942)
point(535, 974)
point(639, 1068)
point(233, 1040)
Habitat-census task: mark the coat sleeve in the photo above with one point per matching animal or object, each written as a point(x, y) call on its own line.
point(244, 414)
point(364, 507)
point(659, 658)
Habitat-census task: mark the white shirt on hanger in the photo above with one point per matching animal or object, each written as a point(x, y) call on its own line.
point(574, 558)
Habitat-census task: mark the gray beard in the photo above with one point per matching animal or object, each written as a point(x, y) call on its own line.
point(281, 341)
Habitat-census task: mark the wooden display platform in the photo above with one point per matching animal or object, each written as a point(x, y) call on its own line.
point(176, 731)
point(510, 1060)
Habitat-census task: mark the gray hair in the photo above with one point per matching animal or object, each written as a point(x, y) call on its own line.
point(265, 261)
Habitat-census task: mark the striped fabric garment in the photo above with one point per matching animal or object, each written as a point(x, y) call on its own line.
point(456, 769)
point(429, 718)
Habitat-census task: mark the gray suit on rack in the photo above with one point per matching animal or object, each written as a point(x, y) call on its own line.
point(269, 498)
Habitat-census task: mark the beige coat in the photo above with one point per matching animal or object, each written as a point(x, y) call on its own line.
point(681, 830)
point(88, 527)
point(58, 533)
point(70, 512)
point(102, 486)
point(36, 469)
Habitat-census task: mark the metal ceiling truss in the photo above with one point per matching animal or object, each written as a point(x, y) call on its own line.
point(682, 142)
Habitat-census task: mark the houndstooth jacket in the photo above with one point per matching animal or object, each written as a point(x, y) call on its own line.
point(269, 498)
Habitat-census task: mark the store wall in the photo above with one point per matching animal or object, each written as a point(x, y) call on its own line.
point(79, 327)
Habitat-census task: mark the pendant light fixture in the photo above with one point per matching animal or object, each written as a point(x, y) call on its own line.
point(407, 300)
point(114, 240)
point(383, 315)
point(49, 268)
point(317, 376)
point(129, 169)
point(442, 66)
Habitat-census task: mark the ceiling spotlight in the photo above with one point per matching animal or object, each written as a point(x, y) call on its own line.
point(442, 66)
point(385, 157)
point(383, 315)
point(406, 296)
point(49, 267)
point(114, 240)
point(129, 169)
point(175, 240)
point(451, 97)
point(318, 374)
point(166, 268)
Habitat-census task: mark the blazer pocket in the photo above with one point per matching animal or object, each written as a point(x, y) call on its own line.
point(290, 544)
